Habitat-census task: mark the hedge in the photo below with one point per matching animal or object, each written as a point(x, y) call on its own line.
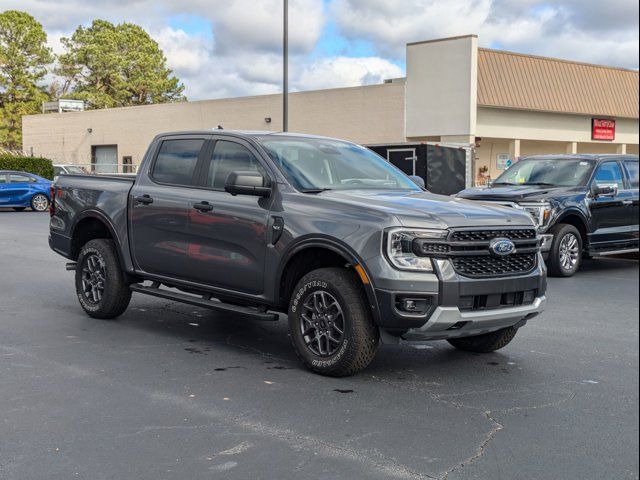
point(36, 165)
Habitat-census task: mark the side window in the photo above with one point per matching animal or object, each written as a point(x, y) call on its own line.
point(18, 179)
point(632, 169)
point(3, 179)
point(609, 173)
point(176, 161)
point(229, 157)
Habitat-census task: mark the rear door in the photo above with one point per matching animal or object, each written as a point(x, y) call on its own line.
point(160, 204)
point(609, 213)
point(228, 234)
point(632, 197)
point(18, 189)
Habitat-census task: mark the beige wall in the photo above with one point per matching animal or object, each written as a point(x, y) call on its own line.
point(529, 125)
point(442, 87)
point(369, 114)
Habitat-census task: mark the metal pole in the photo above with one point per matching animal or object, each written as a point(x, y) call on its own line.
point(285, 70)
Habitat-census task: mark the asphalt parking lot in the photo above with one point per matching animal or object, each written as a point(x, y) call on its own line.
point(172, 391)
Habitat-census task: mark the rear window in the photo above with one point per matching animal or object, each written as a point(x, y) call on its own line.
point(632, 168)
point(176, 161)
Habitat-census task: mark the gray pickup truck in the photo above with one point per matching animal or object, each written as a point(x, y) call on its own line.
point(354, 251)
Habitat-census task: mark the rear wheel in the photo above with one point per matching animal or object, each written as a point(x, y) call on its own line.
point(565, 256)
point(39, 202)
point(330, 323)
point(101, 285)
point(489, 342)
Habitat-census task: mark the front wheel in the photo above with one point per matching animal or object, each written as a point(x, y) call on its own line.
point(330, 323)
point(39, 202)
point(565, 256)
point(101, 285)
point(486, 343)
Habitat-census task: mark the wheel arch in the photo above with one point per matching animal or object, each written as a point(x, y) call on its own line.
point(90, 225)
point(575, 218)
point(317, 252)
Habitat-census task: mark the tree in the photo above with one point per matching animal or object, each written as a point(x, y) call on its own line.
point(24, 57)
point(116, 65)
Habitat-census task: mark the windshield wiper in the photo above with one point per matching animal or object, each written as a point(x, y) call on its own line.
point(504, 183)
point(545, 184)
point(314, 190)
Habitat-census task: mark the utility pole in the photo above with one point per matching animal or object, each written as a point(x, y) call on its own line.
point(285, 70)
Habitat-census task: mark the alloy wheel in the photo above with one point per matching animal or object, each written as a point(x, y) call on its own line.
point(569, 252)
point(322, 323)
point(40, 202)
point(93, 278)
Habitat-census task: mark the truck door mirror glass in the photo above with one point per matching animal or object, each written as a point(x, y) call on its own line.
point(418, 181)
point(247, 183)
point(605, 190)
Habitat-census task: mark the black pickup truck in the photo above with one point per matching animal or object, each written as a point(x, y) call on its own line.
point(347, 245)
point(583, 205)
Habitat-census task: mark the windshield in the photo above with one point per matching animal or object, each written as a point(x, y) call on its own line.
point(314, 164)
point(547, 171)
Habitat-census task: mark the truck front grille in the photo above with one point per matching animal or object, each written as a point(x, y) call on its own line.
point(471, 256)
point(490, 266)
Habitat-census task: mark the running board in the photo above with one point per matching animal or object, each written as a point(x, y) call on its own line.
point(156, 291)
point(600, 253)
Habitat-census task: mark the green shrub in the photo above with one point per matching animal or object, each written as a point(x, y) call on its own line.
point(36, 165)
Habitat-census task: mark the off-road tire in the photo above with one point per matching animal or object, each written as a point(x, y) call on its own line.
point(486, 343)
point(554, 264)
point(116, 295)
point(360, 337)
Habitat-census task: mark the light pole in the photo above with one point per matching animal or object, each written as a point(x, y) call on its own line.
point(285, 69)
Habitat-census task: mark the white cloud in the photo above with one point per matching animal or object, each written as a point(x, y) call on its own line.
point(346, 72)
point(586, 30)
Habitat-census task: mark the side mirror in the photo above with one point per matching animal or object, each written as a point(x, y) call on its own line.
point(247, 183)
point(418, 181)
point(605, 190)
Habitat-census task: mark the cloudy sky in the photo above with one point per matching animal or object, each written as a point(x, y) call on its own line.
point(222, 48)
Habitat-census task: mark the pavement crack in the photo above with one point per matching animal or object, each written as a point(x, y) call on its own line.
point(496, 426)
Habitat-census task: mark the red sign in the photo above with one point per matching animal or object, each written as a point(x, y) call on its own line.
point(603, 129)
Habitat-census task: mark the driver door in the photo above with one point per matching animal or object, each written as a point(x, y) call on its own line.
point(609, 213)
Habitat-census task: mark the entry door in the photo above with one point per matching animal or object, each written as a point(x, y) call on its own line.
point(105, 159)
point(159, 208)
point(404, 159)
point(609, 214)
point(229, 234)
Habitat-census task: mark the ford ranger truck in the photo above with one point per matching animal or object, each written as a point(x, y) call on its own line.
point(583, 205)
point(323, 230)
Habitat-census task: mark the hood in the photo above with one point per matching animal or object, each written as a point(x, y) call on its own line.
point(427, 210)
point(515, 193)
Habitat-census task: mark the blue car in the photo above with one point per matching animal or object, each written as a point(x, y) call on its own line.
point(20, 190)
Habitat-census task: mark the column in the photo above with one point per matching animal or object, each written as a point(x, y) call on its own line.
point(572, 147)
point(622, 149)
point(514, 149)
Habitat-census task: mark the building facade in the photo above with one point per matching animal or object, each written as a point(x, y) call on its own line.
point(506, 105)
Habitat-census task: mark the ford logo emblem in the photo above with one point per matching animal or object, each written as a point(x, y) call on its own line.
point(502, 246)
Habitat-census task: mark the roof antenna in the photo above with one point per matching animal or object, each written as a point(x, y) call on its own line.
point(219, 127)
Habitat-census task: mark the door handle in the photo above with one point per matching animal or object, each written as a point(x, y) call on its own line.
point(143, 199)
point(203, 206)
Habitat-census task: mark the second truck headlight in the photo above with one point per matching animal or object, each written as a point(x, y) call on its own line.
point(540, 212)
point(400, 252)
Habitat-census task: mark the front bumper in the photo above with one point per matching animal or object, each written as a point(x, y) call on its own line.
point(470, 305)
point(450, 322)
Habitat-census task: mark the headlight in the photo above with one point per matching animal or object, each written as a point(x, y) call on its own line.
point(399, 248)
point(540, 212)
